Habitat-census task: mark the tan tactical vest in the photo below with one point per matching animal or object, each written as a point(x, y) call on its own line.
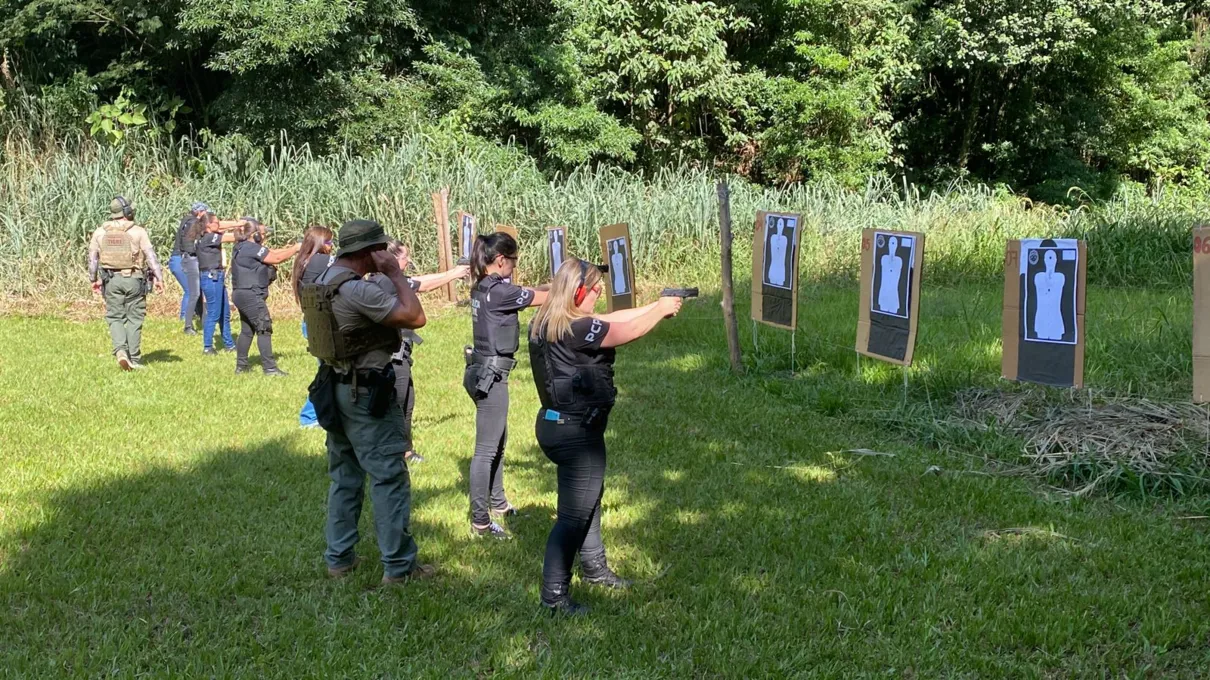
point(118, 248)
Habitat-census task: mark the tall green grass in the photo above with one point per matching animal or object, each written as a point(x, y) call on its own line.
point(53, 195)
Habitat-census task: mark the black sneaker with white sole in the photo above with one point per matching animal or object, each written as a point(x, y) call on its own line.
point(492, 530)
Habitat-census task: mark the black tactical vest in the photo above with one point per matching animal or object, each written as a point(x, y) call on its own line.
point(496, 333)
point(210, 252)
point(246, 272)
point(568, 387)
point(325, 340)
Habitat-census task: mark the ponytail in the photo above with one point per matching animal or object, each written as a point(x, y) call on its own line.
point(485, 251)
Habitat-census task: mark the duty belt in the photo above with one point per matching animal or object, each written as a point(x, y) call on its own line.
point(586, 418)
point(497, 362)
point(123, 272)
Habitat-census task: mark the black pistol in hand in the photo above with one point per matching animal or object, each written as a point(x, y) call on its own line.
point(683, 293)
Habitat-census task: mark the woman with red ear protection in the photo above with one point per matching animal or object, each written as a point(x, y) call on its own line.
point(571, 352)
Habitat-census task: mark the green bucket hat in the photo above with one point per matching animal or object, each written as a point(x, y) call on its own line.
point(358, 235)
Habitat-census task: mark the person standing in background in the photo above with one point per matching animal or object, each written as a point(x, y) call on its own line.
point(314, 258)
point(253, 269)
point(183, 265)
point(118, 255)
point(405, 388)
point(213, 285)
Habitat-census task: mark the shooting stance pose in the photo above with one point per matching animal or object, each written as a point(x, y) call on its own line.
point(353, 328)
point(405, 389)
point(120, 260)
point(183, 265)
point(253, 268)
point(213, 280)
point(495, 302)
point(572, 353)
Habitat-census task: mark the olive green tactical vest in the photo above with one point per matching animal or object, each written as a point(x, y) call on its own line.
point(118, 249)
point(325, 340)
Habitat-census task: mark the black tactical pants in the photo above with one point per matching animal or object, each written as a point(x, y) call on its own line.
point(487, 465)
point(405, 392)
point(254, 320)
point(579, 455)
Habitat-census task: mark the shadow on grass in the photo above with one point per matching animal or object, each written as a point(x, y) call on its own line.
point(161, 356)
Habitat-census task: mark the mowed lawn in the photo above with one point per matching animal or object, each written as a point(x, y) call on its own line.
point(168, 523)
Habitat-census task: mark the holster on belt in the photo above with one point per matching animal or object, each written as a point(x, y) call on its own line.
point(381, 386)
point(491, 370)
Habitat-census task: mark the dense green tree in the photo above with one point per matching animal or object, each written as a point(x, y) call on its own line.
point(1042, 95)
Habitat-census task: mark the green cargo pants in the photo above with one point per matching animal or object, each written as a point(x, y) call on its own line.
point(125, 308)
point(372, 446)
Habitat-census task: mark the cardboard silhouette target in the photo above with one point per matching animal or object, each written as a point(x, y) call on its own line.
point(468, 228)
point(511, 231)
point(1201, 313)
point(556, 248)
point(891, 266)
point(616, 251)
point(1044, 281)
point(775, 246)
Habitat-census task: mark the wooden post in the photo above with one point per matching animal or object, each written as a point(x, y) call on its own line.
point(724, 223)
point(445, 257)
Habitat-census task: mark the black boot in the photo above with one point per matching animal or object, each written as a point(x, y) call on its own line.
point(596, 571)
point(558, 601)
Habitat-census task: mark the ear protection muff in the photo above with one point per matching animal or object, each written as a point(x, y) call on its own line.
point(127, 208)
point(581, 291)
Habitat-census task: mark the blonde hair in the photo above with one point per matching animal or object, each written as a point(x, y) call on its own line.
point(553, 320)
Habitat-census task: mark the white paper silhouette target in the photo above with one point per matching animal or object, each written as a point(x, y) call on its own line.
point(1049, 307)
point(891, 292)
point(467, 233)
point(781, 236)
point(619, 277)
point(555, 239)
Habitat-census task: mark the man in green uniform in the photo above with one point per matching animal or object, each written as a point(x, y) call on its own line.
point(353, 328)
point(120, 258)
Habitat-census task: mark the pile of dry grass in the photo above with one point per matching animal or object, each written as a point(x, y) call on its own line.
point(1083, 441)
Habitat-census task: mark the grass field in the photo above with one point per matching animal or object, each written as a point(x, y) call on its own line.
point(169, 522)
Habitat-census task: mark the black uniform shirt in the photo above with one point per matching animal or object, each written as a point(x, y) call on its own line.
point(210, 251)
point(316, 266)
point(248, 260)
point(582, 347)
point(182, 245)
point(494, 315)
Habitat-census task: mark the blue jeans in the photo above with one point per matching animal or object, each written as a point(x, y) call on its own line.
point(218, 311)
point(174, 266)
point(306, 417)
point(185, 271)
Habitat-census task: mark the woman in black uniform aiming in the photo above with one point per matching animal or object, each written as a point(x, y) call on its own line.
point(495, 302)
point(572, 353)
point(253, 268)
point(405, 387)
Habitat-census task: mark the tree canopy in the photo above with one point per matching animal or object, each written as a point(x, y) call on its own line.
point(1041, 95)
